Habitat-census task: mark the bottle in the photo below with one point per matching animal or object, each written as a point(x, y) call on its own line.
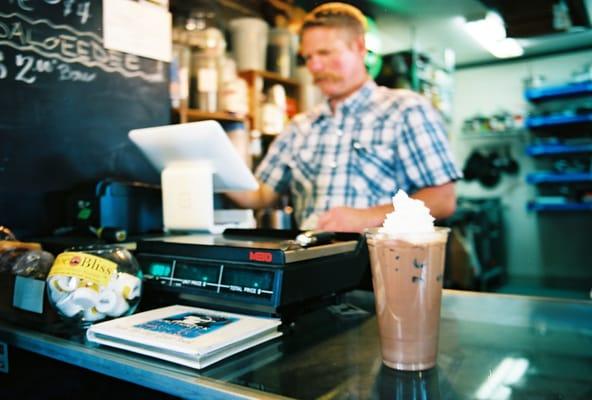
point(273, 111)
point(205, 74)
point(207, 49)
point(234, 90)
point(179, 75)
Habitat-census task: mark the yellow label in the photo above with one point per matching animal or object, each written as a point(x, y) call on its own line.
point(84, 266)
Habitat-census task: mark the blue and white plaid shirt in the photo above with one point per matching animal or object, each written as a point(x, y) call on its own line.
point(378, 140)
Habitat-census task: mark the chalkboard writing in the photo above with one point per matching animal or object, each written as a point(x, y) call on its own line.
point(57, 46)
point(74, 8)
point(66, 106)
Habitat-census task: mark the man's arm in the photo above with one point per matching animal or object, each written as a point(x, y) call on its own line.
point(263, 197)
point(441, 200)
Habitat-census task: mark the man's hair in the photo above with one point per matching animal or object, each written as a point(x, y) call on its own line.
point(336, 15)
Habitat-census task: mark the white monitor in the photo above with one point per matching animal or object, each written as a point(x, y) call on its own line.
point(196, 141)
point(195, 159)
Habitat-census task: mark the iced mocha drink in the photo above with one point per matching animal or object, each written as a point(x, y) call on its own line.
point(407, 274)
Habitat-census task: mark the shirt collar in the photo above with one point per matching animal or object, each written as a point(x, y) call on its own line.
point(357, 100)
point(352, 104)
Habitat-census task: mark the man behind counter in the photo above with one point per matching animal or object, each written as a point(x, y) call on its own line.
point(343, 161)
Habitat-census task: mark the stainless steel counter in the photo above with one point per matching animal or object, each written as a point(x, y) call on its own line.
point(491, 346)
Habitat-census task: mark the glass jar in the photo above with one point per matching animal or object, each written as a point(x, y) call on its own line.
point(205, 81)
point(94, 283)
point(208, 46)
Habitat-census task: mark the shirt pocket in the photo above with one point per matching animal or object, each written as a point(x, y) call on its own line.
point(376, 164)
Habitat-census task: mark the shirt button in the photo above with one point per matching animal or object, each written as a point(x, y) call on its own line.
point(333, 164)
point(357, 145)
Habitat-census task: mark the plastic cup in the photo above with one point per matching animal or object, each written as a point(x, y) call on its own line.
point(407, 275)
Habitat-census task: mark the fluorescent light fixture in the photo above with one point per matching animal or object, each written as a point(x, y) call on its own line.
point(490, 33)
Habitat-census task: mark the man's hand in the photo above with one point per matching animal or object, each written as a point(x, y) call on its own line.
point(263, 197)
point(347, 219)
point(441, 200)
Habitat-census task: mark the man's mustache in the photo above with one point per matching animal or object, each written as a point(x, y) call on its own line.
point(326, 76)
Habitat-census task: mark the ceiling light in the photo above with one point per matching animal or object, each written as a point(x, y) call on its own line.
point(490, 33)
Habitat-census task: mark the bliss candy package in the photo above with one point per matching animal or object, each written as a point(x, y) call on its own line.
point(91, 284)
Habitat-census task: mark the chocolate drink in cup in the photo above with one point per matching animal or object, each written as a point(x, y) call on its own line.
point(407, 274)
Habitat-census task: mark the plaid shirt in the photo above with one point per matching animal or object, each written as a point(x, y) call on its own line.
point(378, 140)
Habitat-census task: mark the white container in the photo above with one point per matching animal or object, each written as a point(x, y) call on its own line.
point(249, 43)
point(281, 53)
point(205, 81)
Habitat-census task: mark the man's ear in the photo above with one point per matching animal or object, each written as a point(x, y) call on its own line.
point(359, 44)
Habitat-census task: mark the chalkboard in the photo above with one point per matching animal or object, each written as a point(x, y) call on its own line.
point(66, 106)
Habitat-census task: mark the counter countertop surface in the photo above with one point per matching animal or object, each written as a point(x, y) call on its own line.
point(491, 346)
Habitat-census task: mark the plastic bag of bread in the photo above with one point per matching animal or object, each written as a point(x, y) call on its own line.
point(23, 258)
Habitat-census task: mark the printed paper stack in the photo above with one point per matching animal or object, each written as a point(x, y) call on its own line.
point(191, 336)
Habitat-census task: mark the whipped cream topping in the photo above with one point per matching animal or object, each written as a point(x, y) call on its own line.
point(410, 216)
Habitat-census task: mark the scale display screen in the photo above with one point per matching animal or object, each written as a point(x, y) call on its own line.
point(211, 277)
point(249, 282)
point(197, 274)
point(159, 269)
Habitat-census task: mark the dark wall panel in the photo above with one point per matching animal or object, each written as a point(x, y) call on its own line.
point(66, 105)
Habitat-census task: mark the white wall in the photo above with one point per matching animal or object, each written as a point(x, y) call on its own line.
point(539, 245)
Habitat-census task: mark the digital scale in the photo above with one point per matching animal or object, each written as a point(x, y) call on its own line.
point(251, 271)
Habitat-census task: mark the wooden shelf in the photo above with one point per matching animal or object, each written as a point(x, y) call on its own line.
point(191, 114)
point(272, 77)
point(258, 82)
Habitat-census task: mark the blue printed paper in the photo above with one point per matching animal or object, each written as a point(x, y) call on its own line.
point(187, 325)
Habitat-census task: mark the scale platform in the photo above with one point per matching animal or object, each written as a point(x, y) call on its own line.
point(252, 271)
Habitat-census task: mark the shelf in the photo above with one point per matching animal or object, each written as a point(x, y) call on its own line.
point(191, 114)
point(551, 177)
point(510, 134)
point(569, 118)
point(444, 86)
point(258, 82)
point(551, 92)
point(554, 120)
point(534, 206)
point(554, 149)
point(198, 115)
point(272, 77)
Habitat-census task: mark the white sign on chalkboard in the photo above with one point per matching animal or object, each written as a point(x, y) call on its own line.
point(142, 29)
